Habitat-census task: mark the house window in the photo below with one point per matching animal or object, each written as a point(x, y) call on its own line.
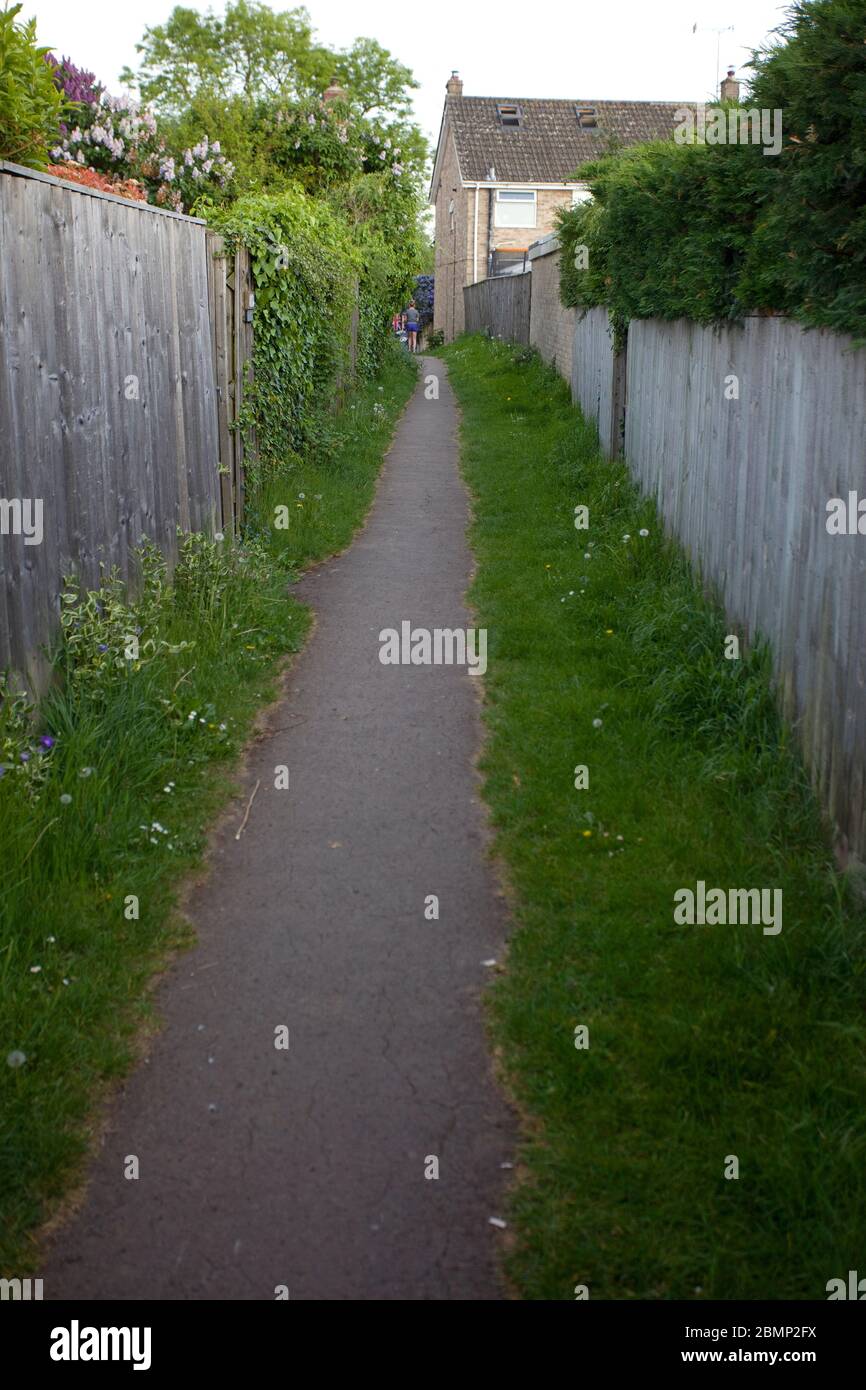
point(510, 115)
point(580, 195)
point(515, 207)
point(587, 117)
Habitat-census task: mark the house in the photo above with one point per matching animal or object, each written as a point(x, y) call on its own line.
point(503, 168)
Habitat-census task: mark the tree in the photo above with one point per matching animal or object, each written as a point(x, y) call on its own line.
point(31, 106)
point(251, 51)
point(374, 81)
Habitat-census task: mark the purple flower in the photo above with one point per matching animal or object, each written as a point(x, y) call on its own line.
point(47, 741)
point(25, 757)
point(102, 647)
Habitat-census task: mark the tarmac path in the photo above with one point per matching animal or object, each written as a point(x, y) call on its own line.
point(305, 1167)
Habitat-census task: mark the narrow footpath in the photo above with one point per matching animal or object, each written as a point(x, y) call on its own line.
point(305, 1168)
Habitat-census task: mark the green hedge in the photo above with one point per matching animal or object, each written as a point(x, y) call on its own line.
point(312, 265)
point(304, 271)
point(714, 232)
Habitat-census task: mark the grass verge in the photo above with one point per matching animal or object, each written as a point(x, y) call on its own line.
point(105, 801)
point(705, 1042)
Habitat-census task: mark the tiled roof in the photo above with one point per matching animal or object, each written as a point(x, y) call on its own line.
point(549, 145)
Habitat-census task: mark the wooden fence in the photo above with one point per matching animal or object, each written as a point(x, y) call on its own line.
point(743, 434)
point(124, 337)
point(499, 307)
point(231, 302)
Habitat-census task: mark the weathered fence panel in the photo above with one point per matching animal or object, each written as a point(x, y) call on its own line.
point(743, 481)
point(108, 410)
point(742, 434)
point(230, 301)
point(598, 378)
point(551, 324)
point(499, 307)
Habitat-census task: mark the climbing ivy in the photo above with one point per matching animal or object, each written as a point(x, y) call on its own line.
point(304, 269)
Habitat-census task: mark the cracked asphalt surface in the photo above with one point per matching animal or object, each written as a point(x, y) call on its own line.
point(306, 1167)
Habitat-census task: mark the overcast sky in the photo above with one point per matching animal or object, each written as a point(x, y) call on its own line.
point(632, 49)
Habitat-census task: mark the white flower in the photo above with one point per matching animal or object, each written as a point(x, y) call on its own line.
point(16, 1058)
point(643, 531)
point(65, 799)
point(218, 536)
point(34, 969)
point(597, 723)
point(626, 538)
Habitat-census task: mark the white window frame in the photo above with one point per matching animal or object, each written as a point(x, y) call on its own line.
point(508, 200)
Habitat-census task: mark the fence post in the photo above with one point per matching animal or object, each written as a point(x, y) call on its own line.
point(217, 290)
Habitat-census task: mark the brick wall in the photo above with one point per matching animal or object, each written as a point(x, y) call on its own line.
point(551, 325)
point(452, 266)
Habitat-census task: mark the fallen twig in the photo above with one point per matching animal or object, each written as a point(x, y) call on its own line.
point(247, 811)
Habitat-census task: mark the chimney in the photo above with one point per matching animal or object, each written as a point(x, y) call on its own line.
point(334, 93)
point(454, 85)
point(730, 87)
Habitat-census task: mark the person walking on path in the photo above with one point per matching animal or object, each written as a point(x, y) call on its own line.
point(413, 325)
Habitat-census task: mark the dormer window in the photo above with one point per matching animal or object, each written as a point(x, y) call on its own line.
point(510, 115)
point(587, 117)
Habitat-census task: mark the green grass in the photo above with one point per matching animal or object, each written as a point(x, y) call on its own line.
point(123, 737)
point(704, 1041)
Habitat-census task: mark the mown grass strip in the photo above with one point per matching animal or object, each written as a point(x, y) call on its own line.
point(704, 1041)
point(117, 808)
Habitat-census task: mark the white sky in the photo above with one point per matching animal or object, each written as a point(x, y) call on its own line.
point(637, 50)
